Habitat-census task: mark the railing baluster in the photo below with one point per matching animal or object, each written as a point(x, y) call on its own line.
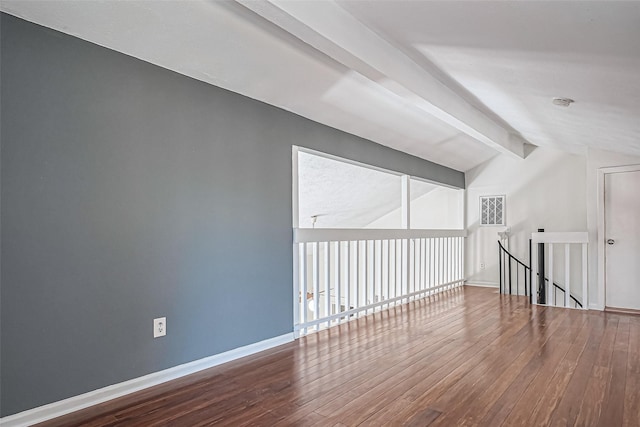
point(500, 256)
point(445, 247)
point(436, 260)
point(355, 277)
point(316, 281)
point(531, 278)
point(380, 272)
point(585, 296)
point(442, 256)
point(431, 263)
point(453, 259)
point(441, 261)
point(327, 280)
point(396, 273)
point(552, 295)
point(420, 266)
point(567, 273)
point(371, 273)
point(425, 263)
point(447, 261)
point(380, 297)
point(356, 271)
point(524, 273)
point(405, 267)
point(509, 275)
point(456, 252)
point(426, 266)
point(416, 270)
point(461, 262)
point(336, 279)
point(457, 260)
point(450, 262)
point(304, 285)
point(387, 246)
point(347, 276)
point(362, 254)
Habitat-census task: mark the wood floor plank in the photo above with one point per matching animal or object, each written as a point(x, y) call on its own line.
point(631, 415)
point(401, 371)
point(423, 418)
point(552, 353)
point(491, 378)
point(466, 357)
point(600, 377)
point(556, 388)
point(566, 411)
point(613, 406)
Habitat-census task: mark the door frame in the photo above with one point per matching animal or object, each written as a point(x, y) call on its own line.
point(602, 273)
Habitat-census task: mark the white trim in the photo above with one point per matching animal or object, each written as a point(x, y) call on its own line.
point(294, 187)
point(296, 223)
point(75, 403)
point(301, 235)
point(405, 196)
point(560, 237)
point(601, 235)
point(482, 284)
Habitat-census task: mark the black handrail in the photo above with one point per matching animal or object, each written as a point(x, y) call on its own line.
point(502, 254)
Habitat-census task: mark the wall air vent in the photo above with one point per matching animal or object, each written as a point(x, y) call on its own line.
point(492, 210)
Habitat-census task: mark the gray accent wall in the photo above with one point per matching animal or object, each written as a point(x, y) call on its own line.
point(130, 192)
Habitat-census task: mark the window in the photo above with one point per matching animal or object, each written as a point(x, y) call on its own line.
point(331, 192)
point(335, 193)
point(492, 210)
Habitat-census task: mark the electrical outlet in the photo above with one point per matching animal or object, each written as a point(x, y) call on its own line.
point(159, 327)
point(482, 265)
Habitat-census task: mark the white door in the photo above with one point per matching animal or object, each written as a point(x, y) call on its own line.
point(622, 234)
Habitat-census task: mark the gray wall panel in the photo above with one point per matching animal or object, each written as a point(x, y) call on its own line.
point(131, 192)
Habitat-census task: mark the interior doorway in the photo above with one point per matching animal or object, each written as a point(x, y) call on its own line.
point(622, 238)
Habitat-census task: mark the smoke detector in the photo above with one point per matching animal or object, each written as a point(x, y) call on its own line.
point(563, 102)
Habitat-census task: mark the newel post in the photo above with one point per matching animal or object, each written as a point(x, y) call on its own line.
point(542, 296)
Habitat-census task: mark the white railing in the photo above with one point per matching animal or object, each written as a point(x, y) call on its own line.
point(340, 274)
point(562, 272)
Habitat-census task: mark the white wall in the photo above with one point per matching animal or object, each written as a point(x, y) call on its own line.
point(441, 208)
point(545, 190)
point(597, 159)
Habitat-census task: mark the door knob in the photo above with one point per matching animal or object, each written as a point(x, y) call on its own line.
point(610, 241)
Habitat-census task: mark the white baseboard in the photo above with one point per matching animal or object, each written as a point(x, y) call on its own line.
point(595, 306)
point(75, 403)
point(483, 284)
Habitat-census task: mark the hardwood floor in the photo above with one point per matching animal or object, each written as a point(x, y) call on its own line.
point(465, 357)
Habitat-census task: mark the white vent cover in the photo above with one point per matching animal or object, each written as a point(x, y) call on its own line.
point(492, 210)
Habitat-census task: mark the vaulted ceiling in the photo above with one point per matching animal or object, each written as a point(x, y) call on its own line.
point(455, 82)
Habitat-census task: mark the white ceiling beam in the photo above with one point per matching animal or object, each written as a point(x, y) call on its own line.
point(330, 29)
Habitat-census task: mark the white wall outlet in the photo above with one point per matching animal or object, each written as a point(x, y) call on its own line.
point(159, 327)
point(482, 265)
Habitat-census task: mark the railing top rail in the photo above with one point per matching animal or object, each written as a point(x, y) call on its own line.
point(560, 237)
point(301, 235)
point(513, 257)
